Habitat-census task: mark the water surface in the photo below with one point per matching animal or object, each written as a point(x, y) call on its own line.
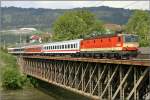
point(25, 94)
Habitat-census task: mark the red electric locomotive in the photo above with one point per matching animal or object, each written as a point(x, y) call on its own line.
point(111, 46)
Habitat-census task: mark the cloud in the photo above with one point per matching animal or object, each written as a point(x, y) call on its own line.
point(74, 4)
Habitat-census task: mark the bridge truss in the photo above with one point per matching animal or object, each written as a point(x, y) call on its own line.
point(95, 79)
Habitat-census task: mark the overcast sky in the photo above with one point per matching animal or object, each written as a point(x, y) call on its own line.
point(144, 5)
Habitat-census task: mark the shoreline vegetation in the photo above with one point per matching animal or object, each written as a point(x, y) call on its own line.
point(11, 77)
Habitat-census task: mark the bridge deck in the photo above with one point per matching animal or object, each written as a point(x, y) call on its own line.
point(140, 62)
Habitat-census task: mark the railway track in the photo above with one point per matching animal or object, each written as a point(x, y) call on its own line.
point(143, 62)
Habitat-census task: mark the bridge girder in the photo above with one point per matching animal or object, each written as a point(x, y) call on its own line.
point(92, 79)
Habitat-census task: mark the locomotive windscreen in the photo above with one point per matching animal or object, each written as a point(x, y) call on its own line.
point(130, 38)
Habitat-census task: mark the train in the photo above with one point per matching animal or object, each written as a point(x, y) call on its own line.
point(117, 46)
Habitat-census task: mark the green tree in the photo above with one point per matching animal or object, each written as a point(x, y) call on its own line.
point(139, 24)
point(75, 24)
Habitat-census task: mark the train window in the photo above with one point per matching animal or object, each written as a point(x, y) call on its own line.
point(68, 45)
point(76, 45)
point(119, 39)
point(62, 46)
point(71, 45)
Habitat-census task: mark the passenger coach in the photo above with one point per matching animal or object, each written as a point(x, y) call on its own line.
point(63, 47)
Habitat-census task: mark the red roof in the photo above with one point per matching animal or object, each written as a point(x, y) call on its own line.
point(34, 37)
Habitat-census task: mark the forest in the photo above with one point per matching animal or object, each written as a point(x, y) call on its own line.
point(13, 17)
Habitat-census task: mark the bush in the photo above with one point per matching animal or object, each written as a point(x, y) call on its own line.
point(33, 81)
point(12, 79)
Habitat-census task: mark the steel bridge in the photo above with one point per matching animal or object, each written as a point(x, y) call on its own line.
point(103, 79)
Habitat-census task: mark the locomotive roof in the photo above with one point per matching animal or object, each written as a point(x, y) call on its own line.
point(103, 36)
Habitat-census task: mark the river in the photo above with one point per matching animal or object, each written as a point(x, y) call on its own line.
point(25, 94)
point(44, 92)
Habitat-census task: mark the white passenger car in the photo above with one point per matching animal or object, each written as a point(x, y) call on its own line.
point(17, 50)
point(71, 46)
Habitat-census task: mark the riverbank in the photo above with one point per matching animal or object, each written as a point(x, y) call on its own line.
point(10, 75)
